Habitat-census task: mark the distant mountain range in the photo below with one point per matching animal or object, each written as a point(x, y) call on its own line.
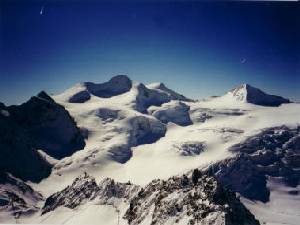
point(129, 153)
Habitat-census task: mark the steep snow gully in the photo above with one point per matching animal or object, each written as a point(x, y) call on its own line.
point(122, 152)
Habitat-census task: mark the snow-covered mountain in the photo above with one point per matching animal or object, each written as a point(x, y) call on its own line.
point(247, 93)
point(138, 147)
point(82, 92)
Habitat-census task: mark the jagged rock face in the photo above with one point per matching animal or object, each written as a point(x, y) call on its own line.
point(176, 112)
point(273, 152)
point(40, 123)
point(197, 200)
point(190, 148)
point(241, 175)
point(276, 152)
point(109, 190)
point(247, 93)
point(178, 198)
point(16, 197)
point(49, 125)
point(17, 148)
point(84, 188)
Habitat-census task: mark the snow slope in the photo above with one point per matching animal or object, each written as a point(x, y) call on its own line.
point(283, 207)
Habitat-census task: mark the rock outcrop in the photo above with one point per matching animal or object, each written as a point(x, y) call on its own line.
point(49, 125)
point(199, 199)
point(82, 92)
point(273, 152)
point(39, 123)
point(16, 197)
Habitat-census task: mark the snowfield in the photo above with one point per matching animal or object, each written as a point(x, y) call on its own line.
point(138, 133)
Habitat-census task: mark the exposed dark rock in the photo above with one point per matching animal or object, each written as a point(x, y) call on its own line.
point(196, 175)
point(81, 190)
point(84, 189)
point(204, 202)
point(273, 152)
point(40, 123)
point(17, 149)
point(253, 95)
point(115, 86)
point(173, 95)
point(110, 190)
point(173, 199)
point(190, 148)
point(17, 197)
point(149, 97)
point(80, 97)
point(49, 125)
point(241, 175)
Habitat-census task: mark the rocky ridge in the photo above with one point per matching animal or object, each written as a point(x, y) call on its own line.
point(196, 199)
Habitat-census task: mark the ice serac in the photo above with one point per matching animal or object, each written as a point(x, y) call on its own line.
point(141, 130)
point(175, 111)
point(49, 125)
point(249, 94)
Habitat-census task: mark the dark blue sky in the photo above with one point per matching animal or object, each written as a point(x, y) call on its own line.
point(199, 49)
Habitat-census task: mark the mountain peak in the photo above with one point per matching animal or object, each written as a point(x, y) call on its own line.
point(82, 92)
point(45, 96)
point(158, 85)
point(172, 94)
point(249, 94)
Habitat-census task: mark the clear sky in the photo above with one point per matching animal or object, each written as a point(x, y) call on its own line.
point(198, 48)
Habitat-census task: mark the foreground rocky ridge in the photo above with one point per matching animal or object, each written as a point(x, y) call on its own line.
point(16, 197)
point(194, 200)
